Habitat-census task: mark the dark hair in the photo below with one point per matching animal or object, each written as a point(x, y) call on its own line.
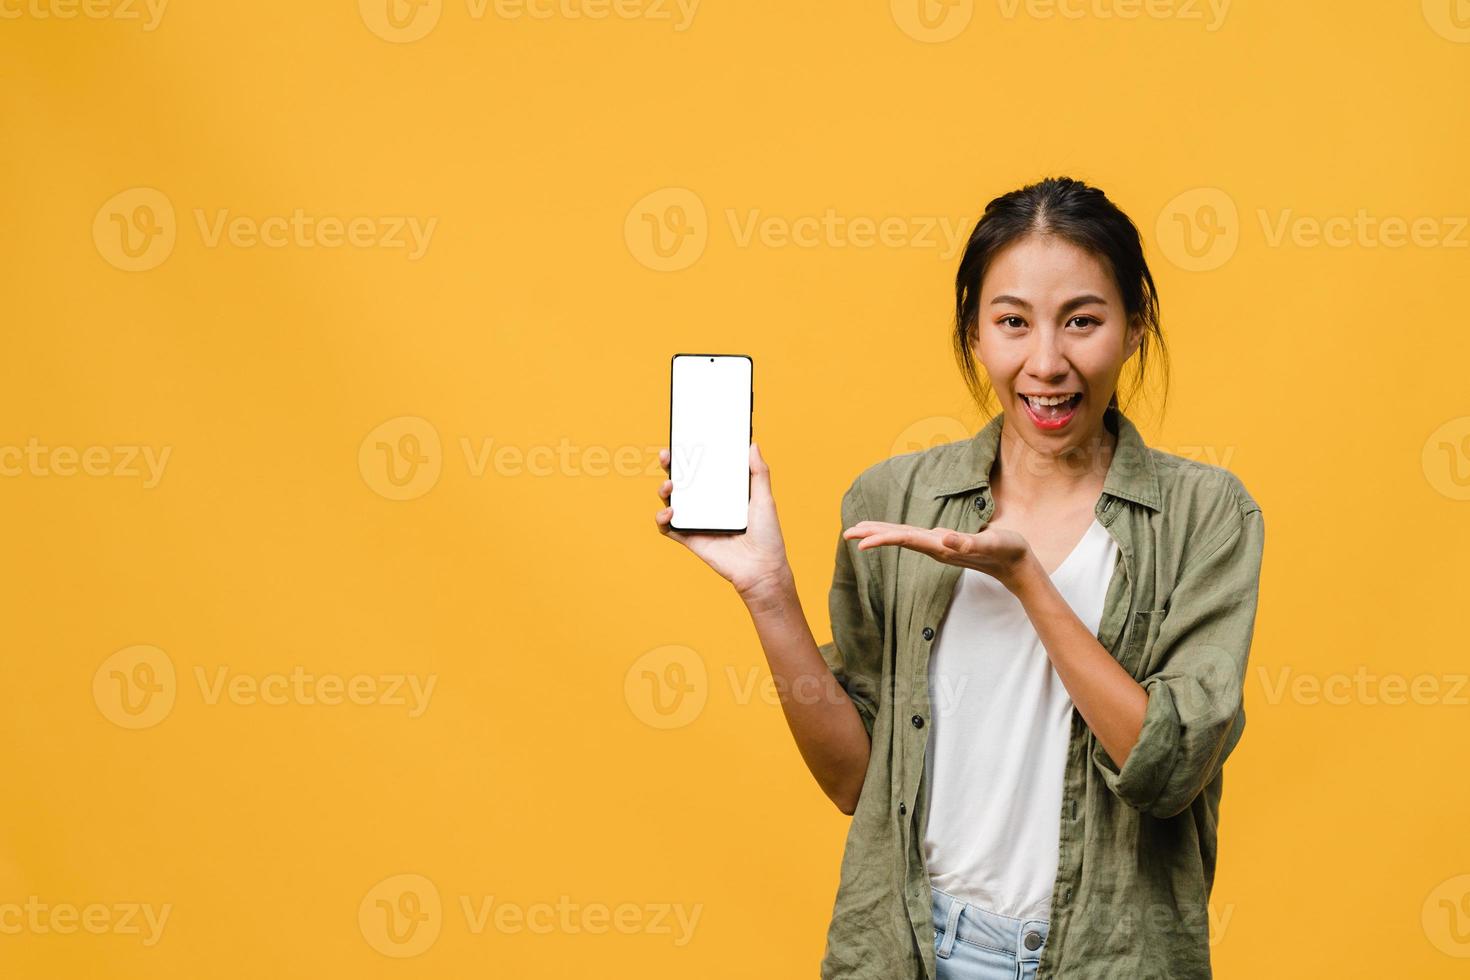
point(1082, 215)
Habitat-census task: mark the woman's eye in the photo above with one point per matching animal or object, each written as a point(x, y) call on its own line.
point(1087, 320)
point(1011, 321)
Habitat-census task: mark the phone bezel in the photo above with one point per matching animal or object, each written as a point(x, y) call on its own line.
point(750, 427)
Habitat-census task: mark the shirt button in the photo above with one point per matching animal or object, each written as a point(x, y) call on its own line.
point(928, 633)
point(1033, 940)
point(918, 721)
point(902, 808)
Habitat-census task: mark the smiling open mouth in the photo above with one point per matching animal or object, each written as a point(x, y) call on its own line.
point(1051, 412)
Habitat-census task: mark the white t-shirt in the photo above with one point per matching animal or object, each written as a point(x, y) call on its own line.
point(997, 748)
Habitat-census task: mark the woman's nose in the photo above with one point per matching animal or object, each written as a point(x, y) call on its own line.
point(1046, 360)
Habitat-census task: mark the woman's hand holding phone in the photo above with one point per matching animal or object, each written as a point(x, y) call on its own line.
point(755, 561)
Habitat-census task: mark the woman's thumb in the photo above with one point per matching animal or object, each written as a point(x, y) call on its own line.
point(760, 473)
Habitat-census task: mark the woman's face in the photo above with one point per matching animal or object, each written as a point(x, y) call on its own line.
point(1051, 323)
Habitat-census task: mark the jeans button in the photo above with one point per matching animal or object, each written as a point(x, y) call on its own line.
point(1033, 940)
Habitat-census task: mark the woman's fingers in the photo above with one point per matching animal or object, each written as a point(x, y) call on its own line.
point(876, 534)
point(984, 552)
point(873, 534)
point(662, 518)
point(867, 529)
point(666, 514)
point(666, 488)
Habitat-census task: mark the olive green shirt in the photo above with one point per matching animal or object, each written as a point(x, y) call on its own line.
point(1137, 854)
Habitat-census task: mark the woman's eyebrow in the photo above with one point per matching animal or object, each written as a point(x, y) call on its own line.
point(1085, 299)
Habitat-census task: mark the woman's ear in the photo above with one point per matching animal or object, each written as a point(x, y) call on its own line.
point(1136, 331)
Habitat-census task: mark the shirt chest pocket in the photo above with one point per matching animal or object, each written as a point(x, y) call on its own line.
point(1143, 628)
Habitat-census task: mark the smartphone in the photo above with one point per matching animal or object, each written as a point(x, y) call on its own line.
point(711, 408)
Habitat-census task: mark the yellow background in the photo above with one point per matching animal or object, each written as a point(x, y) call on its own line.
point(535, 590)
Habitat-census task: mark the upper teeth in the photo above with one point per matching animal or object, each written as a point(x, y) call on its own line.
point(1056, 400)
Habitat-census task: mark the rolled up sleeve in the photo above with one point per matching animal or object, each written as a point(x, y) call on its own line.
point(1195, 713)
point(855, 655)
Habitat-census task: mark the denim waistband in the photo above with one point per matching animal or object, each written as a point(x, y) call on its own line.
point(962, 920)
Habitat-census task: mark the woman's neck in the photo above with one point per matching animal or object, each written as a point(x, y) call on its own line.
point(1033, 479)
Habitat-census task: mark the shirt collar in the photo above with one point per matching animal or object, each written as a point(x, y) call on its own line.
point(1131, 472)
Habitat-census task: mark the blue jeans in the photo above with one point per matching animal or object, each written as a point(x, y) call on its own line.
point(974, 943)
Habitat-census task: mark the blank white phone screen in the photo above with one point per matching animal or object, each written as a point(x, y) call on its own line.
point(709, 441)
